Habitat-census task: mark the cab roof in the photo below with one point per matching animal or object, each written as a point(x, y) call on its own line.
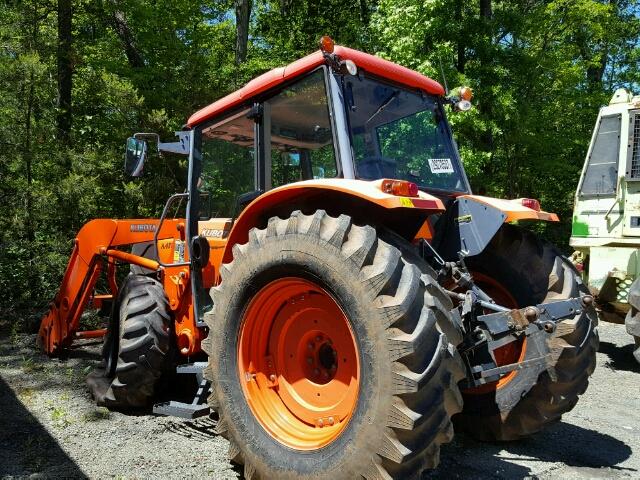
point(369, 63)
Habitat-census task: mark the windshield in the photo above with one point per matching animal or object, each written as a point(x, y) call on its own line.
point(399, 134)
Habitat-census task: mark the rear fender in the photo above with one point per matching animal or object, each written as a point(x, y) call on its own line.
point(473, 220)
point(364, 201)
point(513, 209)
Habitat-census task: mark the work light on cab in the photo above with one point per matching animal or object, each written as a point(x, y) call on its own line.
point(463, 102)
point(327, 44)
point(349, 66)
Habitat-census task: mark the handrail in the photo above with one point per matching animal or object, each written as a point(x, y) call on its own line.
point(165, 210)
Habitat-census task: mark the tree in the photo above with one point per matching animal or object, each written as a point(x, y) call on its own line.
point(65, 71)
point(121, 26)
point(243, 15)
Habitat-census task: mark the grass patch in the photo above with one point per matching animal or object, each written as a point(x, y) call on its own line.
point(26, 395)
point(14, 335)
point(60, 416)
point(96, 415)
point(29, 365)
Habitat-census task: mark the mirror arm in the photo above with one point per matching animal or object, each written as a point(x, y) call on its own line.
point(181, 147)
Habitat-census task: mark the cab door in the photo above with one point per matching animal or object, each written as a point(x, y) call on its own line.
point(223, 169)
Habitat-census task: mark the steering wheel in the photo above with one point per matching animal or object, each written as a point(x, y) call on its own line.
point(375, 167)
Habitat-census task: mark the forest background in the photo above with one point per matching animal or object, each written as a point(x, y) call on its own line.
point(77, 77)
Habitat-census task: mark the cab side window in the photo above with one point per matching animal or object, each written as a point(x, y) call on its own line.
point(301, 135)
point(228, 164)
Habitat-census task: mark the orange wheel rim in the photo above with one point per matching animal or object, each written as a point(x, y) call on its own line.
point(510, 353)
point(298, 363)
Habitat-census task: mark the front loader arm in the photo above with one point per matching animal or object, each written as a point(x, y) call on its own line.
point(96, 241)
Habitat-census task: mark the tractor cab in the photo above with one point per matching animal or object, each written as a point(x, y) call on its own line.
point(337, 114)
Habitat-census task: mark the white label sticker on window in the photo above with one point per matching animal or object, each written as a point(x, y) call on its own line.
point(440, 165)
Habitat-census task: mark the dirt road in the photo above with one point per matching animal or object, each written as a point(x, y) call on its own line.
point(50, 428)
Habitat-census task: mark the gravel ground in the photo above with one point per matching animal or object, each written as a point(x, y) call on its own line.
point(50, 428)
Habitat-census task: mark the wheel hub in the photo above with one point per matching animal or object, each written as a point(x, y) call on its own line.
point(298, 363)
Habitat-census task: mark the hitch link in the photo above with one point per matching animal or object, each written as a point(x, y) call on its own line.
point(536, 323)
point(546, 315)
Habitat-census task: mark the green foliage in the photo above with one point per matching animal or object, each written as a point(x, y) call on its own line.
point(540, 70)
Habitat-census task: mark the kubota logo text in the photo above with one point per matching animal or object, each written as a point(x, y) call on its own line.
point(143, 227)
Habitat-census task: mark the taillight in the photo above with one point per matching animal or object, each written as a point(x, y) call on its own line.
point(531, 203)
point(400, 188)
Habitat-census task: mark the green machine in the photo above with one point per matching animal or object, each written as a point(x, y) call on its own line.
point(606, 219)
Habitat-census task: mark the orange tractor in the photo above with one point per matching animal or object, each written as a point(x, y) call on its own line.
point(344, 297)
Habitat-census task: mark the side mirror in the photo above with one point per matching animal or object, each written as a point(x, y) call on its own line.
point(134, 157)
point(292, 160)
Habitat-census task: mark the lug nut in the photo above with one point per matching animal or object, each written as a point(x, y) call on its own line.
point(318, 338)
point(309, 360)
point(310, 345)
point(316, 372)
point(320, 422)
point(331, 421)
point(272, 377)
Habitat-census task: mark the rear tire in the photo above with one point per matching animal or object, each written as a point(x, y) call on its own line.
point(532, 271)
point(141, 347)
point(408, 370)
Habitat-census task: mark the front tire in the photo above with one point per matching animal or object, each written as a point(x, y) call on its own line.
point(381, 317)
point(137, 346)
point(519, 268)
